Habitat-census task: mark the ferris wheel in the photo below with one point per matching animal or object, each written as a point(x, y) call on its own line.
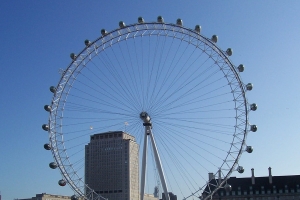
point(171, 88)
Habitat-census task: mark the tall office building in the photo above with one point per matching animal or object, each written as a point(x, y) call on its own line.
point(112, 165)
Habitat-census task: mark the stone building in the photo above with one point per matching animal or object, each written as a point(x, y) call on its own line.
point(261, 188)
point(45, 196)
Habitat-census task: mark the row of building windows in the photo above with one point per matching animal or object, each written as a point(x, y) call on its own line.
point(280, 191)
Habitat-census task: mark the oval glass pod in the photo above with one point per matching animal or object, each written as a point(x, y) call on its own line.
point(214, 38)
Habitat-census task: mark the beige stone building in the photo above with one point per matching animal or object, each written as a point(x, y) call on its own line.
point(150, 197)
point(112, 165)
point(45, 196)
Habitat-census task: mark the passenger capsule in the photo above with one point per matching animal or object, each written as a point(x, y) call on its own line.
point(249, 86)
point(249, 149)
point(240, 169)
point(227, 187)
point(47, 146)
point(198, 28)
point(47, 108)
point(122, 24)
point(253, 128)
point(214, 38)
point(62, 182)
point(74, 197)
point(52, 89)
point(72, 56)
point(160, 19)
point(253, 106)
point(103, 32)
point(241, 68)
point(140, 20)
point(87, 43)
point(179, 22)
point(53, 165)
point(45, 127)
point(229, 52)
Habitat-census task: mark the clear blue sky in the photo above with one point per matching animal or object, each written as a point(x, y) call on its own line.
point(38, 36)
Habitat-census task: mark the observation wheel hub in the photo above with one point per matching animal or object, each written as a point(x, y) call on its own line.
point(145, 117)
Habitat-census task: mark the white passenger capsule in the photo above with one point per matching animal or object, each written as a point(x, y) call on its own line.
point(140, 20)
point(227, 187)
point(122, 24)
point(214, 38)
point(103, 32)
point(62, 182)
point(179, 22)
point(241, 68)
point(229, 52)
point(198, 28)
point(52, 89)
point(249, 149)
point(47, 146)
point(240, 169)
point(74, 197)
point(253, 128)
point(47, 108)
point(45, 127)
point(87, 43)
point(249, 86)
point(160, 19)
point(53, 165)
point(73, 56)
point(253, 106)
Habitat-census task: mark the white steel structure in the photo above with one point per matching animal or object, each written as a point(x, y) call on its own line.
point(158, 80)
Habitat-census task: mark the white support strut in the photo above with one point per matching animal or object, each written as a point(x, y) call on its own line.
point(159, 167)
point(144, 165)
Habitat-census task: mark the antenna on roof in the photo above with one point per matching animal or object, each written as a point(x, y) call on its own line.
point(125, 123)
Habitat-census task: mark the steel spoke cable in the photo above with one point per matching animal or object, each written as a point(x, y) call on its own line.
point(139, 66)
point(159, 65)
point(191, 177)
point(172, 81)
point(184, 173)
point(107, 103)
point(176, 90)
point(106, 83)
point(131, 78)
point(177, 75)
point(183, 126)
point(92, 101)
point(195, 130)
point(175, 164)
point(123, 74)
point(167, 129)
point(181, 138)
point(157, 68)
point(196, 110)
point(111, 69)
point(133, 74)
point(189, 91)
point(164, 64)
point(191, 102)
point(173, 60)
point(199, 122)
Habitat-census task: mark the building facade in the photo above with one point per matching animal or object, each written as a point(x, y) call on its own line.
point(261, 188)
point(45, 196)
point(112, 165)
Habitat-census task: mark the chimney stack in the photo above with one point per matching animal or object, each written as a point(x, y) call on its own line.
point(211, 176)
point(270, 175)
point(252, 176)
